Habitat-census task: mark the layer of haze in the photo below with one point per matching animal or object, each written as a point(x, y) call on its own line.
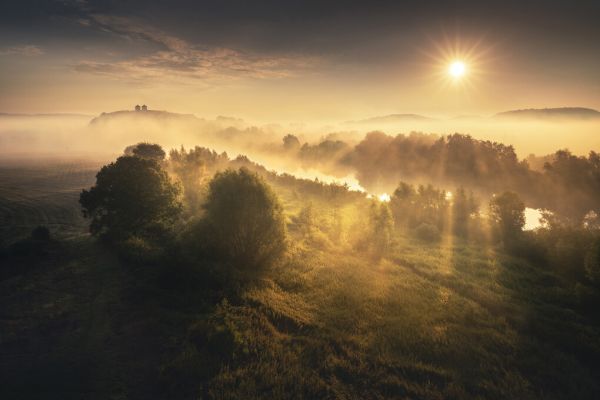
point(76, 135)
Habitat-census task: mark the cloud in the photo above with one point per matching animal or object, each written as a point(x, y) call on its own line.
point(27, 50)
point(178, 60)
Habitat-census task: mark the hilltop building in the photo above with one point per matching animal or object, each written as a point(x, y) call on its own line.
point(142, 108)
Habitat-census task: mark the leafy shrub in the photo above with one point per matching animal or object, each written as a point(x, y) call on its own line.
point(245, 220)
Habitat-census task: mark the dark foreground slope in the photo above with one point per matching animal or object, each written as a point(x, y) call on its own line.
point(449, 322)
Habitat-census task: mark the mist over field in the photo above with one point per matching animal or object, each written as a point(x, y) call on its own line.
point(105, 135)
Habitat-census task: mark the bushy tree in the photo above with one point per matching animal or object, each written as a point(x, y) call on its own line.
point(245, 219)
point(508, 211)
point(150, 151)
point(132, 196)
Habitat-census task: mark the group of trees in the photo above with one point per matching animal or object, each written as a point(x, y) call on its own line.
point(564, 183)
point(225, 210)
point(135, 200)
point(412, 206)
point(242, 219)
point(326, 155)
point(431, 210)
point(566, 186)
point(456, 159)
point(193, 168)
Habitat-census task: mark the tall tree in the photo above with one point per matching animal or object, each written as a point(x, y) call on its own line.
point(132, 196)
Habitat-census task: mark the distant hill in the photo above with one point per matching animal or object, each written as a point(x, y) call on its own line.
point(140, 115)
point(562, 112)
point(393, 118)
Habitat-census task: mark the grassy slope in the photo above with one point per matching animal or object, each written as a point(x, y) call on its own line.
point(428, 321)
point(431, 323)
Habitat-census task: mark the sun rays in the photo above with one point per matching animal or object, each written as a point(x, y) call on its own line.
point(458, 64)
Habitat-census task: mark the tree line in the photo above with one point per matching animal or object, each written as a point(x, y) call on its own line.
point(562, 182)
point(224, 212)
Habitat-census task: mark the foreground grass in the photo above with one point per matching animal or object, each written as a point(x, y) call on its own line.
point(409, 328)
point(427, 322)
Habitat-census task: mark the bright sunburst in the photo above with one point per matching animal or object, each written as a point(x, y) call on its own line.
point(458, 62)
point(457, 69)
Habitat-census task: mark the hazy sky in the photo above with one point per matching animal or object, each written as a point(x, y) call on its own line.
point(273, 60)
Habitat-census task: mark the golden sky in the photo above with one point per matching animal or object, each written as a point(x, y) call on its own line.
point(274, 61)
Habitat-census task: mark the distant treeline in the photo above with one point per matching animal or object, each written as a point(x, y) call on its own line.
point(563, 183)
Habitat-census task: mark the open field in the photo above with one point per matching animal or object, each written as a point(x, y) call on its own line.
point(43, 193)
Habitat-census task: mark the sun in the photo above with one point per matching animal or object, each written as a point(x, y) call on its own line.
point(457, 69)
point(459, 63)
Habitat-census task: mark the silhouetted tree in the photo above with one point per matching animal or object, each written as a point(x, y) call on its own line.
point(291, 142)
point(146, 150)
point(245, 219)
point(402, 205)
point(132, 196)
point(463, 207)
point(508, 211)
point(382, 224)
